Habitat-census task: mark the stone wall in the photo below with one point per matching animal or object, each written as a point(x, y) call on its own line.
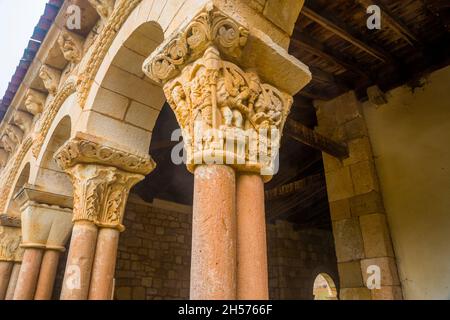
point(154, 252)
point(154, 255)
point(296, 257)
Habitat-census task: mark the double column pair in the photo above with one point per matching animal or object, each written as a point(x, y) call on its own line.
point(231, 123)
point(102, 175)
point(229, 251)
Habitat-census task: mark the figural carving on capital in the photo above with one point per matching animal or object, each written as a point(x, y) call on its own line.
point(210, 27)
point(23, 120)
point(227, 115)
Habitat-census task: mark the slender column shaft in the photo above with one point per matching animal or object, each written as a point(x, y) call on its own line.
point(79, 262)
point(213, 267)
point(252, 274)
point(5, 275)
point(47, 275)
point(13, 281)
point(29, 273)
point(104, 264)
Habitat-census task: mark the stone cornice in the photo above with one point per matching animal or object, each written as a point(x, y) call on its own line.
point(87, 149)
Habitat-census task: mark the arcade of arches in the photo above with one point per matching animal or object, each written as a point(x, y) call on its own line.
point(93, 206)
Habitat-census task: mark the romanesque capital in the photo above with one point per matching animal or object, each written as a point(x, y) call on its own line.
point(102, 176)
point(104, 8)
point(222, 79)
point(101, 193)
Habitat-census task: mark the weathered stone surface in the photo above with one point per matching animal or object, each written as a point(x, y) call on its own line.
point(355, 294)
point(366, 203)
point(350, 274)
point(348, 240)
point(283, 13)
point(339, 184)
point(340, 209)
point(375, 232)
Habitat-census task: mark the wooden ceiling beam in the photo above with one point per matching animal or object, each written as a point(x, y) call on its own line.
point(294, 187)
point(392, 23)
point(307, 43)
point(305, 135)
point(345, 34)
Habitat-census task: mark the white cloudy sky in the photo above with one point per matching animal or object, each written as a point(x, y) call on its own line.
point(17, 21)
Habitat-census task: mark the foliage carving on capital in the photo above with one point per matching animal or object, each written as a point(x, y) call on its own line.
point(216, 102)
point(88, 149)
point(210, 27)
point(101, 193)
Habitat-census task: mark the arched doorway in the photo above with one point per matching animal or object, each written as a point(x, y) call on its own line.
point(324, 288)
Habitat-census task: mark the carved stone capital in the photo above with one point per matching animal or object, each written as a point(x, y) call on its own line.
point(51, 78)
point(88, 149)
point(4, 156)
point(45, 226)
point(209, 27)
point(101, 193)
point(9, 244)
point(228, 116)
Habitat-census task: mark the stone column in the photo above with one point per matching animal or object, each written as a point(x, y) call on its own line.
point(231, 122)
point(213, 266)
point(102, 175)
point(45, 228)
point(9, 248)
point(13, 281)
point(5, 274)
point(252, 272)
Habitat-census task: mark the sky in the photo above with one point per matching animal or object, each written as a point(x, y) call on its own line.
point(17, 21)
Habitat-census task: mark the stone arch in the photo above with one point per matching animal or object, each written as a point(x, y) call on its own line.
point(47, 175)
point(21, 180)
point(324, 287)
point(121, 96)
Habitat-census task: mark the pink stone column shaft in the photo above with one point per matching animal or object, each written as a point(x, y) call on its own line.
point(252, 274)
point(13, 281)
point(79, 262)
point(29, 273)
point(5, 274)
point(213, 266)
point(104, 264)
point(47, 275)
